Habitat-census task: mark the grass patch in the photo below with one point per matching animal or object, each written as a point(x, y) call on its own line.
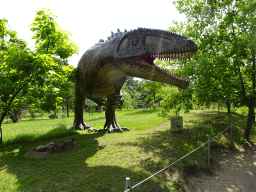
point(104, 160)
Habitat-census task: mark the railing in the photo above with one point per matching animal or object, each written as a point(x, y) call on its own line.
point(127, 182)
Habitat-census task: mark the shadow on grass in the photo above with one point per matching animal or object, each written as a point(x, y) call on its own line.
point(66, 172)
point(60, 131)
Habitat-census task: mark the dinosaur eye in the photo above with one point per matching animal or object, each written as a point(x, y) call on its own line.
point(124, 44)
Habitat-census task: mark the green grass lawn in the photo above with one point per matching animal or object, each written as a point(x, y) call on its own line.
point(104, 160)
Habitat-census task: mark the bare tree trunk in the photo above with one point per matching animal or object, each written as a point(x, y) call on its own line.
point(67, 98)
point(67, 111)
point(251, 106)
point(1, 121)
point(1, 139)
point(228, 106)
point(248, 127)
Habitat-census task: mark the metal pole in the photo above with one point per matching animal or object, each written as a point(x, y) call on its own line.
point(127, 183)
point(209, 146)
point(232, 132)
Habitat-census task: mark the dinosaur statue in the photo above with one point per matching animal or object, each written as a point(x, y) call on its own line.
point(103, 68)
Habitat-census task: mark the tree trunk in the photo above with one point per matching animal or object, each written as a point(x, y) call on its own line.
point(1, 139)
point(248, 127)
point(67, 98)
point(228, 106)
point(67, 111)
point(1, 120)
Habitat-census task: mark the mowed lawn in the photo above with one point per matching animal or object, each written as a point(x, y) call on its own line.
point(104, 160)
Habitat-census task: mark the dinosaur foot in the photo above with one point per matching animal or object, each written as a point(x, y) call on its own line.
point(112, 129)
point(80, 126)
point(91, 129)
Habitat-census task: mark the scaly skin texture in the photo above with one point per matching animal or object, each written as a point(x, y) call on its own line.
point(103, 68)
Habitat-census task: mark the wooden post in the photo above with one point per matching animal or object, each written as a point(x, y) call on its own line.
point(127, 183)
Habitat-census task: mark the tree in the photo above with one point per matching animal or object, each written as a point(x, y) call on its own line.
point(50, 39)
point(173, 98)
point(68, 96)
point(131, 93)
point(38, 77)
point(153, 88)
point(224, 66)
point(91, 106)
point(20, 69)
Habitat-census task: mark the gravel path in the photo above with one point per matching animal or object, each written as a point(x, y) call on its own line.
point(236, 172)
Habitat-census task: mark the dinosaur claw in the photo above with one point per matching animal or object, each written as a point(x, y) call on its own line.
point(118, 129)
point(81, 126)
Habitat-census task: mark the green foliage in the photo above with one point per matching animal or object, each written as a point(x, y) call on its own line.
point(175, 99)
point(153, 89)
point(91, 107)
point(132, 94)
point(220, 31)
point(32, 110)
point(50, 39)
point(224, 66)
point(41, 77)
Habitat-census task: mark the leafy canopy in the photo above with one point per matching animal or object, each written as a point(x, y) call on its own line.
point(50, 38)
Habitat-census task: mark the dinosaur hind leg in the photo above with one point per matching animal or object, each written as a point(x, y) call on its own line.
point(79, 111)
point(111, 124)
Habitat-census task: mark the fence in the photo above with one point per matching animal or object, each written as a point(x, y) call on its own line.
point(127, 182)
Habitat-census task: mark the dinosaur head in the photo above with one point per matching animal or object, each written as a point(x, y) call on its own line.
point(137, 50)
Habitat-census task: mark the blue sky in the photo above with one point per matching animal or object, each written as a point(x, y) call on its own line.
point(90, 20)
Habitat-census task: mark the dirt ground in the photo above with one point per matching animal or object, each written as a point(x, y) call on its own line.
point(235, 171)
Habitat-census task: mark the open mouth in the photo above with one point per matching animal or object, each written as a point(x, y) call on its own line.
point(149, 58)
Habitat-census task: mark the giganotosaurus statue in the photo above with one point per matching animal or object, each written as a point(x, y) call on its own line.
point(103, 68)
